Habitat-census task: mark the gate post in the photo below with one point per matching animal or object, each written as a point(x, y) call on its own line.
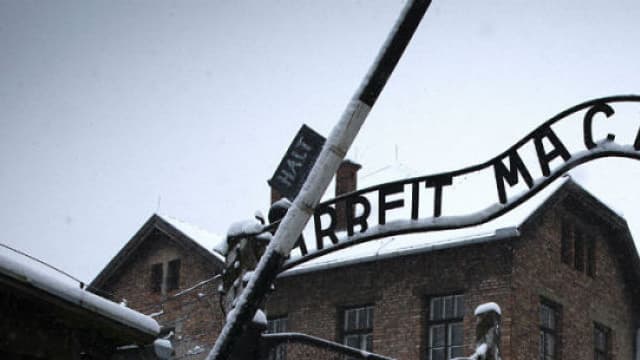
point(488, 317)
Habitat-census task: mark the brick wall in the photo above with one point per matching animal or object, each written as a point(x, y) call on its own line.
point(398, 288)
point(540, 273)
point(515, 273)
point(195, 316)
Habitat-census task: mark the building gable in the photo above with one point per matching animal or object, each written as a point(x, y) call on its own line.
point(169, 276)
point(522, 272)
point(154, 229)
point(576, 257)
point(575, 206)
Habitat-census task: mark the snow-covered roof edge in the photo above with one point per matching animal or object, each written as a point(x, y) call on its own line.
point(512, 222)
point(202, 237)
point(24, 273)
point(154, 222)
point(508, 225)
point(576, 190)
point(499, 234)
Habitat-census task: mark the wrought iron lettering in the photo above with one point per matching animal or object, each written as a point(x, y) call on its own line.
point(415, 200)
point(587, 126)
point(330, 231)
point(360, 220)
point(544, 158)
point(554, 155)
point(437, 182)
point(384, 205)
point(510, 175)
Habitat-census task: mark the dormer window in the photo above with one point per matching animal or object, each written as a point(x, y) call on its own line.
point(567, 243)
point(165, 276)
point(173, 275)
point(578, 248)
point(591, 256)
point(156, 278)
point(601, 342)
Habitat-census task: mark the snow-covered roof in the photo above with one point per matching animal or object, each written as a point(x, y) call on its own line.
point(396, 246)
point(31, 273)
point(203, 237)
point(505, 226)
point(193, 237)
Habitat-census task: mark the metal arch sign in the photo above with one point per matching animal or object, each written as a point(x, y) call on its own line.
point(508, 170)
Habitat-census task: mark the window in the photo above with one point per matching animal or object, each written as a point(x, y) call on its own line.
point(156, 277)
point(549, 331)
point(566, 242)
point(578, 246)
point(173, 275)
point(578, 249)
point(165, 276)
point(601, 342)
point(357, 327)
point(591, 256)
point(585, 253)
point(445, 330)
point(278, 325)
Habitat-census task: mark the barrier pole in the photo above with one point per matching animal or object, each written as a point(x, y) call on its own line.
point(334, 150)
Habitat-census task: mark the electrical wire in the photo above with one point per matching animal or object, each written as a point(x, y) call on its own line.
point(196, 286)
point(82, 283)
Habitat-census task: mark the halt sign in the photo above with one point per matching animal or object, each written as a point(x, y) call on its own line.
point(297, 162)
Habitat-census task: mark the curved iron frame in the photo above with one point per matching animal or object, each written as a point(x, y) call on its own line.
point(494, 211)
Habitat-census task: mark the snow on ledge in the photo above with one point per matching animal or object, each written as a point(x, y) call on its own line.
point(487, 307)
point(260, 318)
point(22, 270)
point(163, 348)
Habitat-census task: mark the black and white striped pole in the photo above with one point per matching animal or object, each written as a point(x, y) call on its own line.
point(333, 151)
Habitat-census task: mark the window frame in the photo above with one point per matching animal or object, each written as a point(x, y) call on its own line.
point(363, 333)
point(606, 332)
point(578, 247)
point(156, 277)
point(590, 266)
point(165, 276)
point(457, 318)
point(555, 332)
point(579, 250)
point(172, 278)
point(566, 242)
point(280, 351)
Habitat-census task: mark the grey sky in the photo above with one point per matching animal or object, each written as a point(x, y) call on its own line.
point(111, 109)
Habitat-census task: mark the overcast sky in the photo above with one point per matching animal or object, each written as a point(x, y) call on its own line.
point(113, 110)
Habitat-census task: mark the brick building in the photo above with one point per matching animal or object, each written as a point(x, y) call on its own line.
point(153, 273)
point(565, 272)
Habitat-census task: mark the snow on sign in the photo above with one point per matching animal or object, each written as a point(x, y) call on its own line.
point(297, 162)
point(607, 127)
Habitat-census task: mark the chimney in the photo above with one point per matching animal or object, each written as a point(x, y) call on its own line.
point(346, 182)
